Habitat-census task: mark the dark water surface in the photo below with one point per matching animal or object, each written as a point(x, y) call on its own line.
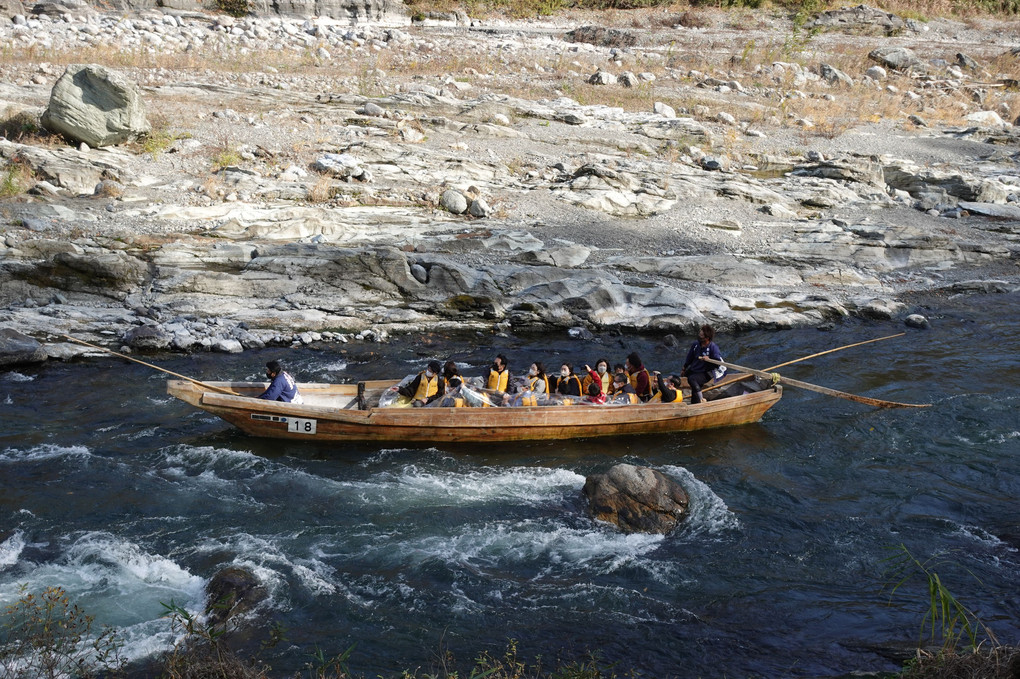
point(128, 498)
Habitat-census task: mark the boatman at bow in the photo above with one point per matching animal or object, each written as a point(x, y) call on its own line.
point(281, 387)
point(698, 372)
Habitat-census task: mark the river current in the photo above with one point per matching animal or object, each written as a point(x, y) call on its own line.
point(128, 498)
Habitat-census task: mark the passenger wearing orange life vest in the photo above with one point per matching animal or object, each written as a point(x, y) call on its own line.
point(568, 384)
point(605, 378)
point(426, 387)
point(499, 375)
point(639, 377)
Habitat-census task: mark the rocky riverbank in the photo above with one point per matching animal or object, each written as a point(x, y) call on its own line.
point(312, 179)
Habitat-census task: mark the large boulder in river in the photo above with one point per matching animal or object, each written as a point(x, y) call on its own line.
point(97, 106)
point(232, 591)
point(18, 349)
point(637, 499)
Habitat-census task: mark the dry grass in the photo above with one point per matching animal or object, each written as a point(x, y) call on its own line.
point(15, 179)
point(322, 191)
point(1000, 662)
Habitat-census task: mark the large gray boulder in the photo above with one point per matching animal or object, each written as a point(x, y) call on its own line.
point(95, 105)
point(898, 58)
point(19, 349)
point(636, 499)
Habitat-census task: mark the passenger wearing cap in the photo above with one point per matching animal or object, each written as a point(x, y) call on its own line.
point(281, 386)
point(426, 387)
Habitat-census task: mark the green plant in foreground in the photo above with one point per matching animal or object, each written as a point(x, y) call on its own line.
point(45, 636)
point(14, 180)
point(946, 617)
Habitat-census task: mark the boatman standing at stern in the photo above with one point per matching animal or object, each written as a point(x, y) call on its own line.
point(281, 387)
point(697, 372)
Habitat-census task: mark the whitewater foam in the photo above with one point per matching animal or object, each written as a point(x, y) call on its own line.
point(46, 451)
point(16, 377)
point(415, 486)
point(11, 548)
point(708, 512)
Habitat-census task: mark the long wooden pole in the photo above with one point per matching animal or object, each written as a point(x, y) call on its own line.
point(724, 382)
point(822, 353)
point(204, 385)
point(814, 387)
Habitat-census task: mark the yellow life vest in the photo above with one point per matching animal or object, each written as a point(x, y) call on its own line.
point(426, 387)
point(632, 378)
point(532, 381)
point(607, 383)
point(678, 396)
point(498, 380)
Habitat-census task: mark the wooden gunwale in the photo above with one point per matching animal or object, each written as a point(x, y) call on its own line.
point(334, 423)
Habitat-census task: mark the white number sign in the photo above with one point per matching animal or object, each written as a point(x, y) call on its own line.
point(300, 426)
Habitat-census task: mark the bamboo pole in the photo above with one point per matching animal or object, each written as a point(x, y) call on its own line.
point(204, 385)
point(724, 382)
point(814, 387)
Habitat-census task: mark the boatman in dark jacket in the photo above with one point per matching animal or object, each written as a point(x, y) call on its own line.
point(698, 372)
point(281, 387)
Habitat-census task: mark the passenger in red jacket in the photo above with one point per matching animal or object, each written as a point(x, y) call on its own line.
point(595, 393)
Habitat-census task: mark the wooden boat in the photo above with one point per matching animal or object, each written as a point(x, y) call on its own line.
point(330, 412)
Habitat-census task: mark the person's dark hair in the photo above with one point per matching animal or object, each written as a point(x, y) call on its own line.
point(435, 367)
point(274, 367)
point(619, 368)
point(619, 377)
point(541, 367)
point(450, 369)
point(675, 380)
point(569, 367)
point(502, 359)
point(635, 360)
point(603, 360)
point(709, 332)
point(594, 390)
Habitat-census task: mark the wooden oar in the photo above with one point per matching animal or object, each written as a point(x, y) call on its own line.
point(739, 378)
point(814, 387)
point(222, 390)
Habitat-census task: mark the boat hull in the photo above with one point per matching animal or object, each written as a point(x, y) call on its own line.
point(329, 414)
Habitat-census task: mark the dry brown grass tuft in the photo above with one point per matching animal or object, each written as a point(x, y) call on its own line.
point(1000, 662)
point(322, 191)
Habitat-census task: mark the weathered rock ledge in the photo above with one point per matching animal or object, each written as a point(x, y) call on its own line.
point(319, 212)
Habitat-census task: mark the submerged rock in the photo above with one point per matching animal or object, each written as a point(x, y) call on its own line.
point(636, 499)
point(232, 591)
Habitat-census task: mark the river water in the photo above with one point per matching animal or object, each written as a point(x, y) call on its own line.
point(128, 498)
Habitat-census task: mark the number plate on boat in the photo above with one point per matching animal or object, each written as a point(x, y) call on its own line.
point(301, 426)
